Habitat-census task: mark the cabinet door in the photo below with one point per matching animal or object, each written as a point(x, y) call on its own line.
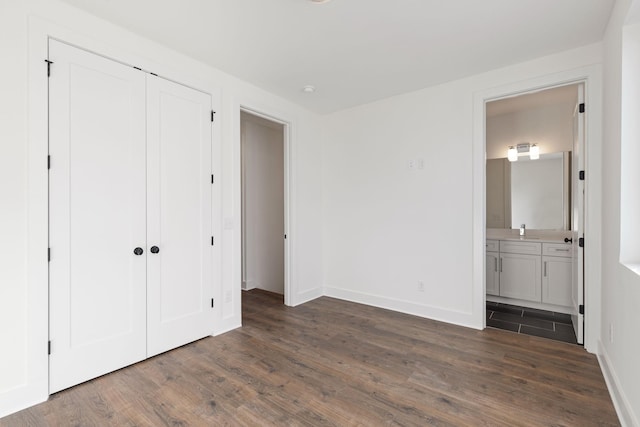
point(97, 285)
point(179, 215)
point(556, 281)
point(493, 277)
point(520, 276)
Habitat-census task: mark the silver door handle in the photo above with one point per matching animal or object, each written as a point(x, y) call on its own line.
point(500, 265)
point(495, 262)
point(545, 269)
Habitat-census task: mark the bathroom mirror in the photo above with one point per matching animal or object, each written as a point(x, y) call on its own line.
point(536, 193)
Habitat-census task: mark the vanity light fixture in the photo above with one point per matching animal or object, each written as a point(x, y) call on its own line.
point(525, 148)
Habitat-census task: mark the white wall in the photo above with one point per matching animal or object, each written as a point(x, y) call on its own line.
point(550, 127)
point(387, 226)
point(24, 26)
point(263, 186)
point(630, 149)
point(13, 197)
point(620, 353)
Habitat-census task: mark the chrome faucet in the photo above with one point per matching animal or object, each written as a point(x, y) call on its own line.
point(522, 229)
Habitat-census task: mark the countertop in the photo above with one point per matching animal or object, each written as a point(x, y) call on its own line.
point(542, 236)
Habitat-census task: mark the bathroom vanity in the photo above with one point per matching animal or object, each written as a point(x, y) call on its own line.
point(530, 271)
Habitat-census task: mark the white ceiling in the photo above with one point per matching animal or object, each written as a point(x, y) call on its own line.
point(358, 51)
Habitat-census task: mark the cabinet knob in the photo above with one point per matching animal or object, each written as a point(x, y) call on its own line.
point(155, 249)
point(138, 251)
point(568, 240)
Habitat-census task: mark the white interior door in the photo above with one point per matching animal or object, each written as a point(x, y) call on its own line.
point(577, 225)
point(180, 288)
point(97, 216)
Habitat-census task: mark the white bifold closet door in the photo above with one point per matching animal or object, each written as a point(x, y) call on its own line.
point(130, 171)
point(179, 276)
point(97, 216)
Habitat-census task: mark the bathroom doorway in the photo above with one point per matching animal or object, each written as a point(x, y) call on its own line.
point(535, 212)
point(264, 201)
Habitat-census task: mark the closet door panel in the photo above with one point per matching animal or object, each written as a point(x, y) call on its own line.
point(179, 220)
point(97, 216)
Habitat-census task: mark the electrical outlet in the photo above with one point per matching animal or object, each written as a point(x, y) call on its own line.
point(411, 164)
point(421, 286)
point(611, 333)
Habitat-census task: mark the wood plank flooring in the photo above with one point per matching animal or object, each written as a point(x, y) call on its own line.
point(331, 362)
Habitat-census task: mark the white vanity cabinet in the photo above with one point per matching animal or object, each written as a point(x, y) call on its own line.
point(556, 274)
point(520, 270)
point(493, 275)
point(529, 273)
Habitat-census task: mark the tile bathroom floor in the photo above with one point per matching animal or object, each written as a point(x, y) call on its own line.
point(531, 321)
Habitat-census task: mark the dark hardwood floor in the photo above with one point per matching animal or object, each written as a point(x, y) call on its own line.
point(330, 362)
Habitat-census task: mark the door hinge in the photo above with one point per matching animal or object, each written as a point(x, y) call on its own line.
point(49, 347)
point(212, 115)
point(212, 240)
point(581, 309)
point(212, 303)
point(212, 179)
point(581, 175)
point(48, 67)
point(48, 254)
point(581, 108)
point(48, 162)
point(581, 242)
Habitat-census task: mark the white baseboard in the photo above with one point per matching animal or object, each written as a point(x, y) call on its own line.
point(620, 401)
point(307, 296)
point(532, 304)
point(449, 316)
point(12, 401)
point(248, 285)
point(226, 328)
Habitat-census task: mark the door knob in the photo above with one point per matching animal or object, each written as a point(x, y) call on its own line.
point(155, 249)
point(568, 240)
point(138, 251)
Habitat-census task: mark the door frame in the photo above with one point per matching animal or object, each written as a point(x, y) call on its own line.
point(287, 150)
point(591, 77)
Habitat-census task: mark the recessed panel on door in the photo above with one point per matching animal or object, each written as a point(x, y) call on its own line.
point(97, 216)
point(179, 221)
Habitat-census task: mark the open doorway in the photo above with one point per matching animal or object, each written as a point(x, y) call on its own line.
point(535, 212)
point(264, 196)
